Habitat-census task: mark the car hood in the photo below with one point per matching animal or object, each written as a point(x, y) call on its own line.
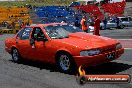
point(87, 41)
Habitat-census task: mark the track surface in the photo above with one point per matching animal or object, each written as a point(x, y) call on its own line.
point(35, 75)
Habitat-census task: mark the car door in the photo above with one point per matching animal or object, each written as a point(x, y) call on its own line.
point(112, 24)
point(40, 51)
point(22, 42)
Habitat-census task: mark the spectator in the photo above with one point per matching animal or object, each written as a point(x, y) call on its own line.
point(5, 24)
point(84, 24)
point(22, 25)
point(117, 21)
point(19, 21)
point(105, 23)
point(77, 24)
point(28, 23)
point(13, 25)
point(96, 26)
point(91, 21)
point(34, 7)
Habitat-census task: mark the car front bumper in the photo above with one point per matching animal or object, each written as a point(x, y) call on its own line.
point(97, 59)
point(7, 50)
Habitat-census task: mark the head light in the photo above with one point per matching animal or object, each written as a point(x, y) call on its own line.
point(90, 52)
point(118, 46)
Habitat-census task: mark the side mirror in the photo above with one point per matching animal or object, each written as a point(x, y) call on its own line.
point(32, 41)
point(45, 39)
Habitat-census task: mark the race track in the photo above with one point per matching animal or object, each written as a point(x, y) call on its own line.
point(39, 75)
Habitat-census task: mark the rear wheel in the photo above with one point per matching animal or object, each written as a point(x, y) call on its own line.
point(15, 55)
point(66, 63)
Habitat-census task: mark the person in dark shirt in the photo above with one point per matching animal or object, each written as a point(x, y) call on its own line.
point(105, 23)
point(77, 24)
point(117, 21)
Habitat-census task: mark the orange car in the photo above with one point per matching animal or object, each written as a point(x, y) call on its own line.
point(62, 44)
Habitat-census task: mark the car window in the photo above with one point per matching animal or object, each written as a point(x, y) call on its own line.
point(37, 32)
point(124, 19)
point(25, 33)
point(20, 33)
point(111, 21)
point(130, 18)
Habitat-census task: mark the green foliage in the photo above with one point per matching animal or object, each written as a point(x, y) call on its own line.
point(36, 2)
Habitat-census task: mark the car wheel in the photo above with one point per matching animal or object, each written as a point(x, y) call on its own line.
point(15, 55)
point(66, 63)
point(121, 26)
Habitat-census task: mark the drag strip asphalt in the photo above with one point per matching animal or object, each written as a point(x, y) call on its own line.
point(41, 75)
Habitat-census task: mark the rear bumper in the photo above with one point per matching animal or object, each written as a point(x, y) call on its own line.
point(96, 59)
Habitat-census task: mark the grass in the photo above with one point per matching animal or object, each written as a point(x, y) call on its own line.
point(36, 2)
point(1, 39)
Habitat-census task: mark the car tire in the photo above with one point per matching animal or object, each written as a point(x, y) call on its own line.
point(121, 26)
point(15, 55)
point(66, 63)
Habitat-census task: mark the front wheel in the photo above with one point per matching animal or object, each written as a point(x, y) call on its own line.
point(66, 63)
point(121, 26)
point(15, 55)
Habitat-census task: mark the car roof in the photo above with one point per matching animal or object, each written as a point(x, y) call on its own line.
point(44, 25)
point(122, 17)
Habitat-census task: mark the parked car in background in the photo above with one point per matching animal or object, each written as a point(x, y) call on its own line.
point(111, 24)
point(91, 28)
point(126, 21)
point(130, 20)
point(74, 4)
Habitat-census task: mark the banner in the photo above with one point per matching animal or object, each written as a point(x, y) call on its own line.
point(8, 31)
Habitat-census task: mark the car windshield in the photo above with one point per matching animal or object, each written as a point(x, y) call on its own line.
point(124, 19)
point(130, 18)
point(61, 31)
point(111, 21)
